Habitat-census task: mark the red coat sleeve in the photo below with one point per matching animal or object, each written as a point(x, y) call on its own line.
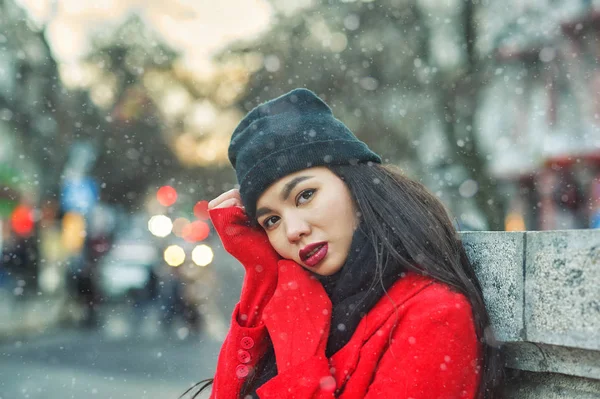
point(246, 341)
point(241, 350)
point(433, 353)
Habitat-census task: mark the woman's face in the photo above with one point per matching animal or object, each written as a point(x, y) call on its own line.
point(309, 217)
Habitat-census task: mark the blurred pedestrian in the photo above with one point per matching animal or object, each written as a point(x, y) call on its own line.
point(144, 297)
point(172, 301)
point(87, 295)
point(357, 284)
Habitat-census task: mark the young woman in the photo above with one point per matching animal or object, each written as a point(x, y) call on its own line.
point(356, 284)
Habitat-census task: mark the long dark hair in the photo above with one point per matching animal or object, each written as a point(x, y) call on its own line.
point(409, 225)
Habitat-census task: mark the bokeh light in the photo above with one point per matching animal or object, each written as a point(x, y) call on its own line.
point(514, 222)
point(202, 255)
point(179, 225)
point(195, 231)
point(166, 195)
point(201, 210)
point(22, 220)
point(160, 225)
point(73, 232)
point(174, 255)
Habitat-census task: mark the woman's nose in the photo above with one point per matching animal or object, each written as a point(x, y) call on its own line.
point(296, 229)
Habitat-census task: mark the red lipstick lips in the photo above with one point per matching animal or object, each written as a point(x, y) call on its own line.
point(313, 253)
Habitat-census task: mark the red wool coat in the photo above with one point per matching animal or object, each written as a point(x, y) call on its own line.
point(426, 349)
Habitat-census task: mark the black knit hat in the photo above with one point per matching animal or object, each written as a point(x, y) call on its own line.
point(287, 134)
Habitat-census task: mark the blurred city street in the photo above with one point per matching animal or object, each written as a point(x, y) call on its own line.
point(132, 350)
point(118, 360)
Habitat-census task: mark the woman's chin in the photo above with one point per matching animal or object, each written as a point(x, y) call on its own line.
point(324, 269)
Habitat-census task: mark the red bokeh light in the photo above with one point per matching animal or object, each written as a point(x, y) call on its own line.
point(201, 210)
point(195, 231)
point(166, 195)
point(22, 220)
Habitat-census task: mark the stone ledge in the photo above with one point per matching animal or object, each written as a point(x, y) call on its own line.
point(555, 359)
point(541, 287)
point(527, 385)
point(542, 290)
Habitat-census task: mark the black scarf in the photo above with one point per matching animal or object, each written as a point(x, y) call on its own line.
point(353, 291)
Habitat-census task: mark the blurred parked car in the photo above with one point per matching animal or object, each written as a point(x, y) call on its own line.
point(127, 268)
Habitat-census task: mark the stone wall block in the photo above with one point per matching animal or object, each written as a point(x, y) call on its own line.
point(498, 261)
point(562, 288)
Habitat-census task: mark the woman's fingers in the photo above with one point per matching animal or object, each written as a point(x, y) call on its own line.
point(215, 202)
point(228, 198)
point(228, 203)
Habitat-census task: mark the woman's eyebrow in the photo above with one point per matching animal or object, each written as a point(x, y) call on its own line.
point(262, 211)
point(287, 189)
point(285, 193)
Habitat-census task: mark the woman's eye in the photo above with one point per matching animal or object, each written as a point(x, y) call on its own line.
point(305, 196)
point(268, 222)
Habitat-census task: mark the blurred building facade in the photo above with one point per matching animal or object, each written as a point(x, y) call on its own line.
point(38, 128)
point(25, 79)
point(540, 118)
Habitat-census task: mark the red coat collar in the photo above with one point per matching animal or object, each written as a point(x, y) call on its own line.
point(344, 361)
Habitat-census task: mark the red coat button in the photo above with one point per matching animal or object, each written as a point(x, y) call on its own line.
point(247, 342)
point(242, 371)
point(244, 356)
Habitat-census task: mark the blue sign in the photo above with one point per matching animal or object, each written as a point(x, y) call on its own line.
point(79, 195)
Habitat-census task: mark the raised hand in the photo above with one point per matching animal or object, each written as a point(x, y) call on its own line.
point(251, 247)
point(227, 199)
